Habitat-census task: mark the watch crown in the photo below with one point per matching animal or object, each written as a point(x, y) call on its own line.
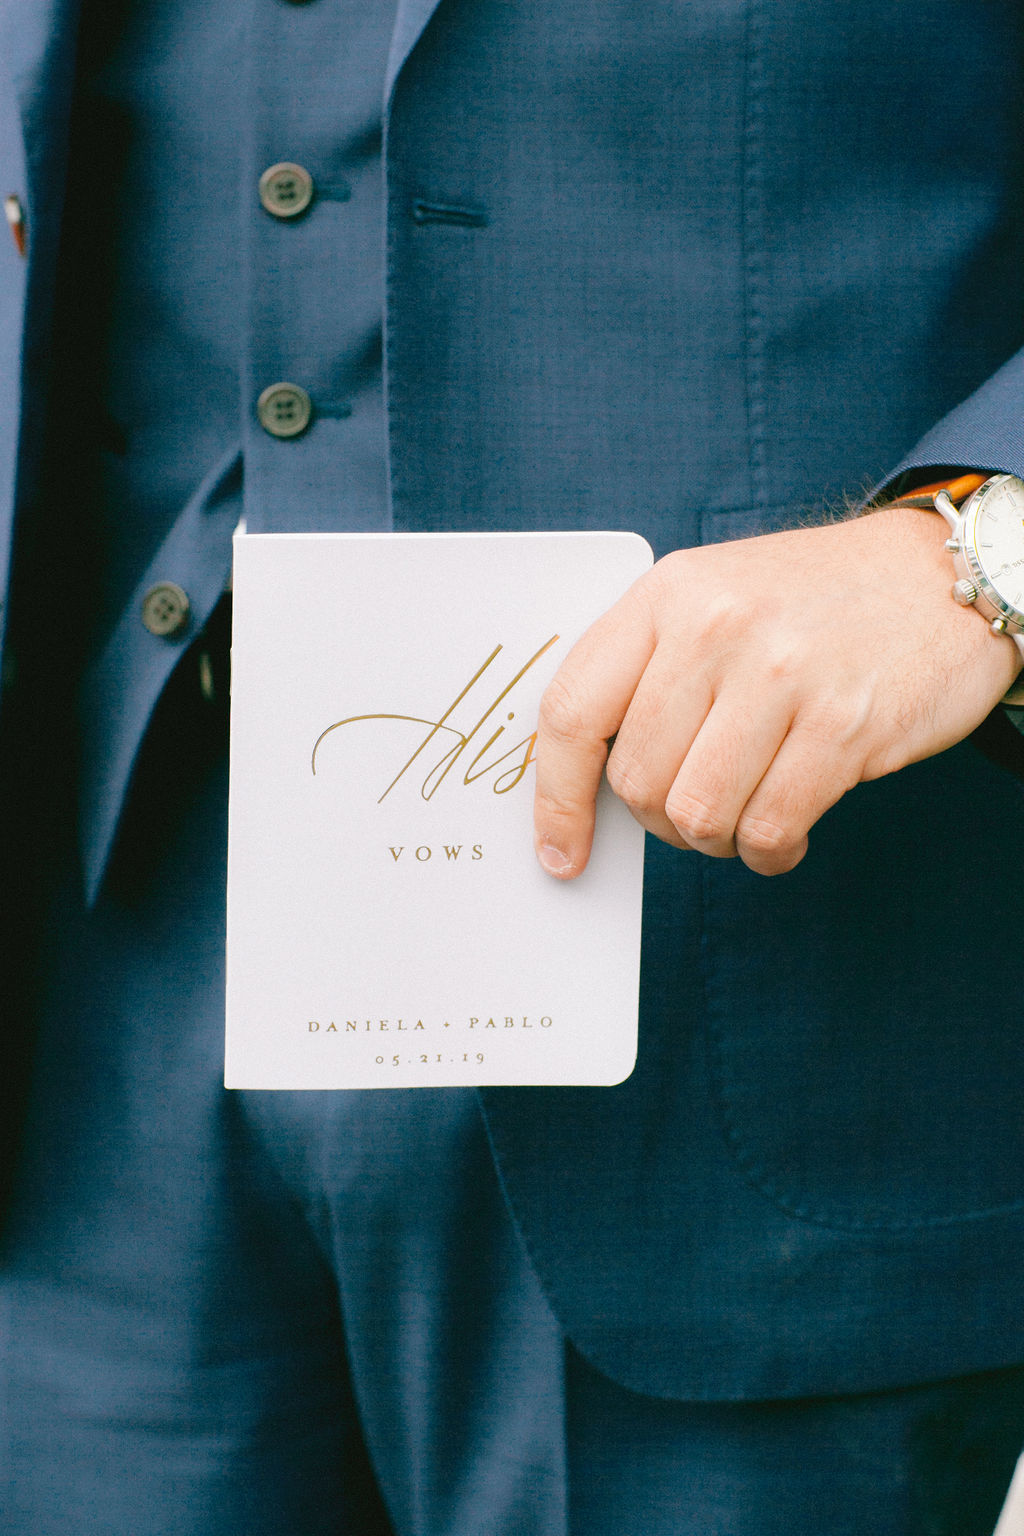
point(964, 593)
point(953, 546)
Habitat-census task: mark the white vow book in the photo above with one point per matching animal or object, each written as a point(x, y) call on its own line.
point(388, 924)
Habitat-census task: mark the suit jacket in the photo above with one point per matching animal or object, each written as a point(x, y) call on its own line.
point(697, 269)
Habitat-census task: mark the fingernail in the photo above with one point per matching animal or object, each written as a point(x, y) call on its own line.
point(553, 860)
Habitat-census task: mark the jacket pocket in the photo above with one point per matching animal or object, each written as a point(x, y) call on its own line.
point(863, 1011)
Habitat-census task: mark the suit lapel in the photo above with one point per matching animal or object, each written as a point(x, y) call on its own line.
point(37, 45)
point(37, 55)
point(410, 19)
point(37, 41)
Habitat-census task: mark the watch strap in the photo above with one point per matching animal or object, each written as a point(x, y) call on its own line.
point(957, 489)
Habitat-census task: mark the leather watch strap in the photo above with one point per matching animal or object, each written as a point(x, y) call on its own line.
point(957, 490)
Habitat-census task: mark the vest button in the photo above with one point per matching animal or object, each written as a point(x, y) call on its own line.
point(284, 410)
point(165, 609)
point(286, 190)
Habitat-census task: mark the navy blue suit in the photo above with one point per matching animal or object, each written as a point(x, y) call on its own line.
point(700, 271)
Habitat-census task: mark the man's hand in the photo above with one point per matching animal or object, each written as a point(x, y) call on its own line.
point(749, 685)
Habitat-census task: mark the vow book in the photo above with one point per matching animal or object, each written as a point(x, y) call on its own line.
point(388, 923)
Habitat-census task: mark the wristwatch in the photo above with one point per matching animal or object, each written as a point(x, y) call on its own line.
point(986, 524)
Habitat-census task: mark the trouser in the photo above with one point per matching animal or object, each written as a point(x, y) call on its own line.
point(299, 1314)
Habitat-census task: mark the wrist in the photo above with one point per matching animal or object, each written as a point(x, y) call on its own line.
point(985, 519)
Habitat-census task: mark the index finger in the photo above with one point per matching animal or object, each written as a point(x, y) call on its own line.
point(582, 707)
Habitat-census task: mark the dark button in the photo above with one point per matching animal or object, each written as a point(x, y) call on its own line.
point(286, 190)
point(165, 609)
point(284, 410)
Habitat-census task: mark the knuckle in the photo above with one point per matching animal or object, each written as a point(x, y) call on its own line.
point(720, 615)
point(631, 784)
point(697, 820)
point(554, 809)
point(725, 611)
point(767, 839)
point(560, 714)
point(781, 666)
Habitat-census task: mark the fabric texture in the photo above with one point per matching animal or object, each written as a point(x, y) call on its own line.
point(625, 287)
point(312, 1312)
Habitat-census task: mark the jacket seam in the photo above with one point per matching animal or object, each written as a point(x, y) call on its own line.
point(753, 249)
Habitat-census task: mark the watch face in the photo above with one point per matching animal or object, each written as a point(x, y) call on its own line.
point(998, 542)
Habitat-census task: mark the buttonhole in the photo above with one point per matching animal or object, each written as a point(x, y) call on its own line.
point(335, 409)
point(333, 191)
point(424, 212)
